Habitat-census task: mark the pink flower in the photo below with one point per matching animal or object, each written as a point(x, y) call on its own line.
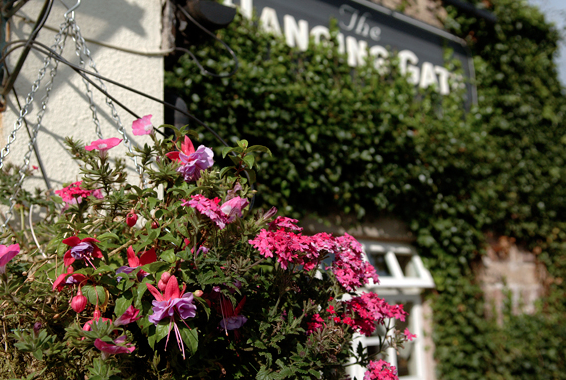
point(78, 303)
point(170, 304)
point(81, 249)
point(409, 336)
point(142, 126)
point(192, 162)
point(129, 316)
point(147, 257)
point(120, 347)
point(370, 310)
point(380, 370)
point(350, 269)
point(7, 254)
point(96, 318)
point(103, 144)
point(68, 279)
point(74, 194)
point(221, 215)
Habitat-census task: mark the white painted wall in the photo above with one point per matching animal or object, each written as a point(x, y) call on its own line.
point(132, 24)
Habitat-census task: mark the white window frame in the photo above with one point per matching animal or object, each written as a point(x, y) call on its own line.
point(398, 288)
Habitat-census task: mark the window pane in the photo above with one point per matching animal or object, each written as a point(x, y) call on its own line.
point(378, 262)
point(407, 266)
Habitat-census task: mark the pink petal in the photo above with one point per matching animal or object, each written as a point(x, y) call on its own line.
point(187, 146)
point(68, 259)
point(132, 258)
point(172, 289)
point(148, 257)
point(155, 292)
point(174, 156)
point(112, 348)
point(72, 241)
point(8, 253)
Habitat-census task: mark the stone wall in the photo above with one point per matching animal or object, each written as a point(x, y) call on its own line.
point(508, 270)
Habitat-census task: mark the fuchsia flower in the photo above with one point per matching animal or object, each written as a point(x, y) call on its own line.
point(68, 278)
point(129, 316)
point(147, 257)
point(192, 162)
point(96, 318)
point(221, 215)
point(120, 347)
point(231, 318)
point(173, 302)
point(78, 303)
point(7, 253)
point(142, 126)
point(131, 219)
point(81, 249)
point(380, 370)
point(103, 144)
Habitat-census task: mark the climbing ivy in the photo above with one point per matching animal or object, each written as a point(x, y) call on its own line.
point(368, 144)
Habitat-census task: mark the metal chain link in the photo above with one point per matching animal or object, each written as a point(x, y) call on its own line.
point(79, 47)
point(58, 46)
point(77, 36)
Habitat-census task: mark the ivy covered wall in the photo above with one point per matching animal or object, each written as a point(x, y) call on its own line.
point(368, 144)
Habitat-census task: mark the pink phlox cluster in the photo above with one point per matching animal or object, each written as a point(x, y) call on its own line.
point(369, 310)
point(74, 194)
point(380, 370)
point(288, 247)
point(284, 222)
point(349, 267)
point(219, 214)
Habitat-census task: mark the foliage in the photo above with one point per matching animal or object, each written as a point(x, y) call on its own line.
point(98, 295)
point(367, 144)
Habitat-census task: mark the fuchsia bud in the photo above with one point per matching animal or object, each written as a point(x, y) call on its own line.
point(198, 293)
point(161, 285)
point(165, 277)
point(154, 225)
point(131, 219)
point(78, 303)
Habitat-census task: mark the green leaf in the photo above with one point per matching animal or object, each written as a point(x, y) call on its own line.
point(38, 354)
point(169, 256)
point(163, 328)
point(95, 294)
point(258, 148)
point(123, 303)
point(249, 160)
point(243, 144)
point(190, 337)
point(107, 236)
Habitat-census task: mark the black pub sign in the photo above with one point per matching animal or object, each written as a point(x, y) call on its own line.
point(368, 31)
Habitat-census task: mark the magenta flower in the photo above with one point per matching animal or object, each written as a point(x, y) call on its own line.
point(142, 126)
point(231, 318)
point(221, 215)
point(74, 194)
point(170, 304)
point(192, 162)
point(81, 249)
point(380, 370)
point(103, 145)
point(120, 347)
point(7, 254)
point(147, 257)
point(349, 267)
point(129, 316)
point(233, 208)
point(68, 278)
point(409, 336)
